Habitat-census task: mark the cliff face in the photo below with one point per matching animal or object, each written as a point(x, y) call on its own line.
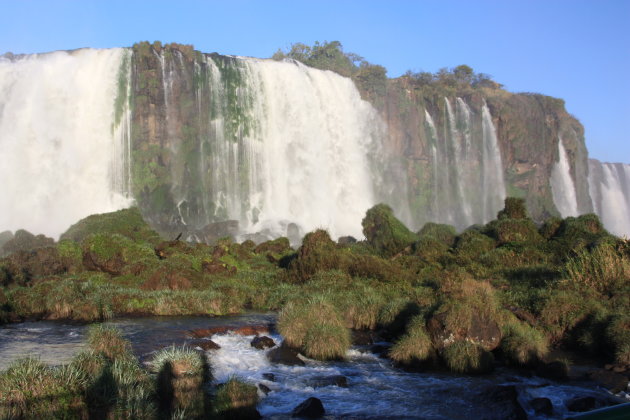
point(528, 129)
point(437, 153)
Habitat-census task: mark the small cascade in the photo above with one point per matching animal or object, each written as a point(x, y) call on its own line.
point(609, 185)
point(562, 185)
point(492, 180)
point(64, 138)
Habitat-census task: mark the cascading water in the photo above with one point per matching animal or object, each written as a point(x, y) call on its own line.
point(64, 138)
point(609, 185)
point(492, 180)
point(562, 185)
point(467, 171)
point(284, 143)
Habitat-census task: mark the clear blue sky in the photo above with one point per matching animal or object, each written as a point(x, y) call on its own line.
point(578, 50)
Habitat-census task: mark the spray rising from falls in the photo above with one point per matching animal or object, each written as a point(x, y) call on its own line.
point(562, 185)
point(64, 138)
point(609, 186)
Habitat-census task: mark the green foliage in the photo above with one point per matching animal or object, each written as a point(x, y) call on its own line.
point(384, 232)
point(316, 327)
point(467, 357)
point(618, 338)
point(601, 268)
point(317, 253)
point(126, 222)
point(522, 344)
point(514, 208)
point(415, 346)
point(235, 400)
point(442, 232)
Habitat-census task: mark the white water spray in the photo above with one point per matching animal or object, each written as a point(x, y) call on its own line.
point(562, 185)
point(62, 157)
point(609, 186)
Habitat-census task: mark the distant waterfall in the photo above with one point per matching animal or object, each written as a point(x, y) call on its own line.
point(64, 138)
point(562, 185)
point(467, 170)
point(609, 185)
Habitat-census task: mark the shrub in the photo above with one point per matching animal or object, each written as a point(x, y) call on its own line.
point(514, 208)
point(126, 222)
point(317, 253)
point(514, 230)
point(315, 327)
point(181, 375)
point(235, 400)
point(30, 389)
point(108, 342)
point(618, 338)
point(466, 357)
point(384, 232)
point(442, 232)
point(471, 244)
point(562, 310)
point(413, 347)
point(601, 269)
point(430, 249)
point(523, 344)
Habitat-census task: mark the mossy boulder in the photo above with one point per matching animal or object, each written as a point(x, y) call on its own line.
point(514, 230)
point(111, 253)
point(384, 232)
point(429, 248)
point(471, 244)
point(580, 232)
point(277, 246)
point(442, 232)
point(317, 253)
point(126, 222)
point(22, 267)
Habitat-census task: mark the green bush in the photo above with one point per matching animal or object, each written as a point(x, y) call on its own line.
point(317, 253)
point(415, 346)
point(235, 400)
point(443, 233)
point(384, 232)
point(523, 344)
point(514, 208)
point(467, 357)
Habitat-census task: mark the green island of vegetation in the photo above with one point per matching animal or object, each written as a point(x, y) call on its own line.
point(508, 292)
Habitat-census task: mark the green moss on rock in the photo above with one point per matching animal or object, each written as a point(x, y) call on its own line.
point(384, 232)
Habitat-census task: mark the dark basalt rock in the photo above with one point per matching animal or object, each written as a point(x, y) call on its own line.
point(556, 370)
point(285, 355)
point(323, 381)
point(614, 382)
point(542, 406)
point(483, 331)
point(269, 376)
point(205, 345)
point(500, 403)
point(263, 342)
point(264, 388)
point(582, 404)
point(346, 240)
point(311, 408)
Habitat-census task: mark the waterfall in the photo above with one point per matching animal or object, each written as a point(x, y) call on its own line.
point(493, 184)
point(609, 186)
point(562, 186)
point(286, 144)
point(64, 138)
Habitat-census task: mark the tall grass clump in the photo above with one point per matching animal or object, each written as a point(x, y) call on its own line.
point(466, 357)
point(181, 373)
point(415, 346)
point(315, 327)
point(235, 400)
point(108, 342)
point(618, 338)
point(30, 389)
point(522, 344)
point(601, 269)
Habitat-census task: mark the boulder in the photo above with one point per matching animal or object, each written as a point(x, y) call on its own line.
point(323, 381)
point(205, 345)
point(285, 355)
point(346, 240)
point(542, 406)
point(310, 408)
point(612, 381)
point(581, 404)
point(557, 370)
point(264, 388)
point(263, 342)
point(225, 329)
point(500, 402)
point(269, 377)
point(481, 330)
